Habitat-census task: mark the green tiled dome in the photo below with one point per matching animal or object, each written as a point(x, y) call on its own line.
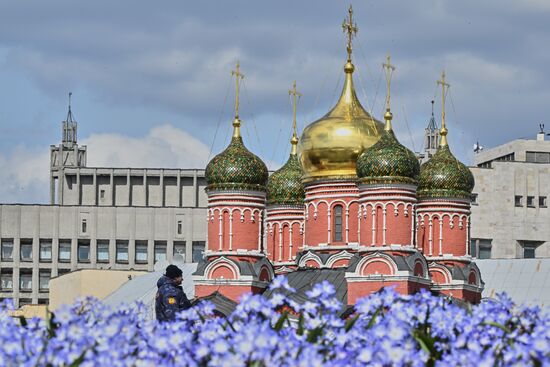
point(445, 176)
point(236, 168)
point(387, 161)
point(285, 186)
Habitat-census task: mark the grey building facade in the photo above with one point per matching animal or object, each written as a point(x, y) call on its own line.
point(101, 218)
point(510, 214)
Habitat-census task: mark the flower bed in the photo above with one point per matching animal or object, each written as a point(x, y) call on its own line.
point(385, 329)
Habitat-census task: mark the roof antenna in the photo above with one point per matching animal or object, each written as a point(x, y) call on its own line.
point(477, 147)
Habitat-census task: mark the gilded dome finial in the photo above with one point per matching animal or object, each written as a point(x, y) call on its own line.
point(389, 68)
point(444, 88)
point(294, 140)
point(236, 121)
point(349, 27)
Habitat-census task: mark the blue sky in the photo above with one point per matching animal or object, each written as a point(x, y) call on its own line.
point(151, 82)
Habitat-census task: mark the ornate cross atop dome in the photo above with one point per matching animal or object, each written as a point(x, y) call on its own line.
point(349, 27)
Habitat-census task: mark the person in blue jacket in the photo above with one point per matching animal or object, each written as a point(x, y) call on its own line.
point(170, 298)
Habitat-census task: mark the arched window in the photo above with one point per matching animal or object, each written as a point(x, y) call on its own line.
point(337, 233)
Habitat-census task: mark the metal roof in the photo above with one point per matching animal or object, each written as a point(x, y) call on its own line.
point(303, 280)
point(526, 281)
point(144, 287)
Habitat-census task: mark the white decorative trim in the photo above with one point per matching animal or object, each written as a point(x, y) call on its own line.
point(353, 278)
point(343, 255)
point(239, 252)
point(377, 256)
point(222, 261)
point(236, 203)
point(310, 256)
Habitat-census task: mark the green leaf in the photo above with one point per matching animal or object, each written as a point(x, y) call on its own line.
point(350, 323)
point(77, 362)
point(373, 318)
point(300, 330)
point(23, 321)
point(279, 325)
point(497, 325)
point(314, 334)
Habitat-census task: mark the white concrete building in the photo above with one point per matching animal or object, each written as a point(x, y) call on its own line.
point(99, 218)
point(510, 214)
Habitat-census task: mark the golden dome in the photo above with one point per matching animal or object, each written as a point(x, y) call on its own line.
point(330, 146)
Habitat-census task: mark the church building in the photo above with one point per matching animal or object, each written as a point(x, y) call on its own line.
point(351, 205)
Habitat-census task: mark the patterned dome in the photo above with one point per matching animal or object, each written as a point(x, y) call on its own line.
point(236, 168)
point(388, 161)
point(445, 176)
point(285, 186)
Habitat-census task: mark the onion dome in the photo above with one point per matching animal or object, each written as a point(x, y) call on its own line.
point(388, 161)
point(444, 176)
point(330, 146)
point(285, 186)
point(236, 168)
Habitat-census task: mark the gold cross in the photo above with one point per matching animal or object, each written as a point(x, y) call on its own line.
point(389, 71)
point(351, 29)
point(295, 94)
point(444, 87)
point(238, 75)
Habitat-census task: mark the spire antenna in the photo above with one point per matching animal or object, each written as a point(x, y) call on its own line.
point(349, 27)
point(295, 95)
point(444, 88)
point(389, 69)
point(433, 107)
point(236, 122)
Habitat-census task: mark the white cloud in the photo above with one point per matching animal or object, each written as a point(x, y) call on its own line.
point(164, 146)
point(25, 172)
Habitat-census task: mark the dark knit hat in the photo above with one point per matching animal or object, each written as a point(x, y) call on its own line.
point(172, 272)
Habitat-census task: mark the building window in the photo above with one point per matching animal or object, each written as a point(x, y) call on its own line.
point(45, 249)
point(44, 301)
point(528, 249)
point(180, 227)
point(337, 235)
point(160, 251)
point(102, 251)
point(24, 302)
point(25, 281)
point(7, 250)
point(83, 251)
point(542, 201)
point(474, 199)
point(63, 271)
point(44, 280)
point(537, 157)
point(179, 248)
point(122, 251)
point(506, 158)
point(6, 279)
point(84, 226)
point(518, 201)
point(26, 250)
point(198, 251)
point(141, 252)
point(530, 201)
point(102, 194)
point(64, 250)
point(481, 248)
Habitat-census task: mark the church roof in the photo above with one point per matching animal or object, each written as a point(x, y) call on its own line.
point(303, 280)
point(222, 305)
